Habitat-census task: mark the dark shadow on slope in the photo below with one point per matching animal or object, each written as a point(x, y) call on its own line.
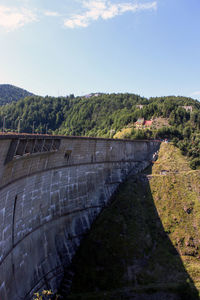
point(128, 254)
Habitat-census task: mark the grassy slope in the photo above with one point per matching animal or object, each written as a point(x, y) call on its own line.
point(147, 241)
point(177, 199)
point(122, 134)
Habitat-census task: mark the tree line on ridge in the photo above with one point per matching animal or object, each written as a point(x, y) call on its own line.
point(106, 114)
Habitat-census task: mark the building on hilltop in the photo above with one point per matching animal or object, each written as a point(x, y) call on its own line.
point(92, 95)
point(142, 123)
point(148, 123)
point(188, 108)
point(140, 106)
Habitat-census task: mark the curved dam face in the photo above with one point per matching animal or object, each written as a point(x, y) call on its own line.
point(51, 190)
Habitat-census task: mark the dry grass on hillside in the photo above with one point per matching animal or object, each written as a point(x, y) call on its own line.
point(177, 199)
point(160, 122)
point(126, 131)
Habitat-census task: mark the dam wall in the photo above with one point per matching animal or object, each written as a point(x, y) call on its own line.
point(51, 190)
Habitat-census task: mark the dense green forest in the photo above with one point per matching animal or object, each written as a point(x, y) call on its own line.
point(106, 114)
point(10, 93)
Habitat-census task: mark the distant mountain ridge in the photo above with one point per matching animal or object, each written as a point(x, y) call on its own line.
point(10, 93)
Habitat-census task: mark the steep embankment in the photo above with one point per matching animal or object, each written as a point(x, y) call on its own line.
point(145, 245)
point(176, 193)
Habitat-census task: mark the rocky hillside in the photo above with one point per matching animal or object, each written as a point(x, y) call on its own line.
point(10, 93)
point(146, 244)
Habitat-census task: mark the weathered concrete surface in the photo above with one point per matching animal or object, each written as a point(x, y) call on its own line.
point(49, 200)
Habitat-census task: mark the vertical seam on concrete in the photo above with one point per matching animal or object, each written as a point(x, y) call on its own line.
point(13, 245)
point(13, 221)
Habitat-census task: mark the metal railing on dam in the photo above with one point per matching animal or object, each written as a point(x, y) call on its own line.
point(51, 190)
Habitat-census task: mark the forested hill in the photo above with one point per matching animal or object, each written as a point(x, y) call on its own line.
point(10, 93)
point(107, 115)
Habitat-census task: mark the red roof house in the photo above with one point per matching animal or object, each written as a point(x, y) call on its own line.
point(148, 123)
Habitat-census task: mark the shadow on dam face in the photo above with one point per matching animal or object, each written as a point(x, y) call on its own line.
point(51, 190)
point(128, 254)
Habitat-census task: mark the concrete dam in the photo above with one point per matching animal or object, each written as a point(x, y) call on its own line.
point(51, 190)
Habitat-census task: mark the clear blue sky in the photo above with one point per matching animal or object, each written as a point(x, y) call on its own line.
point(59, 47)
